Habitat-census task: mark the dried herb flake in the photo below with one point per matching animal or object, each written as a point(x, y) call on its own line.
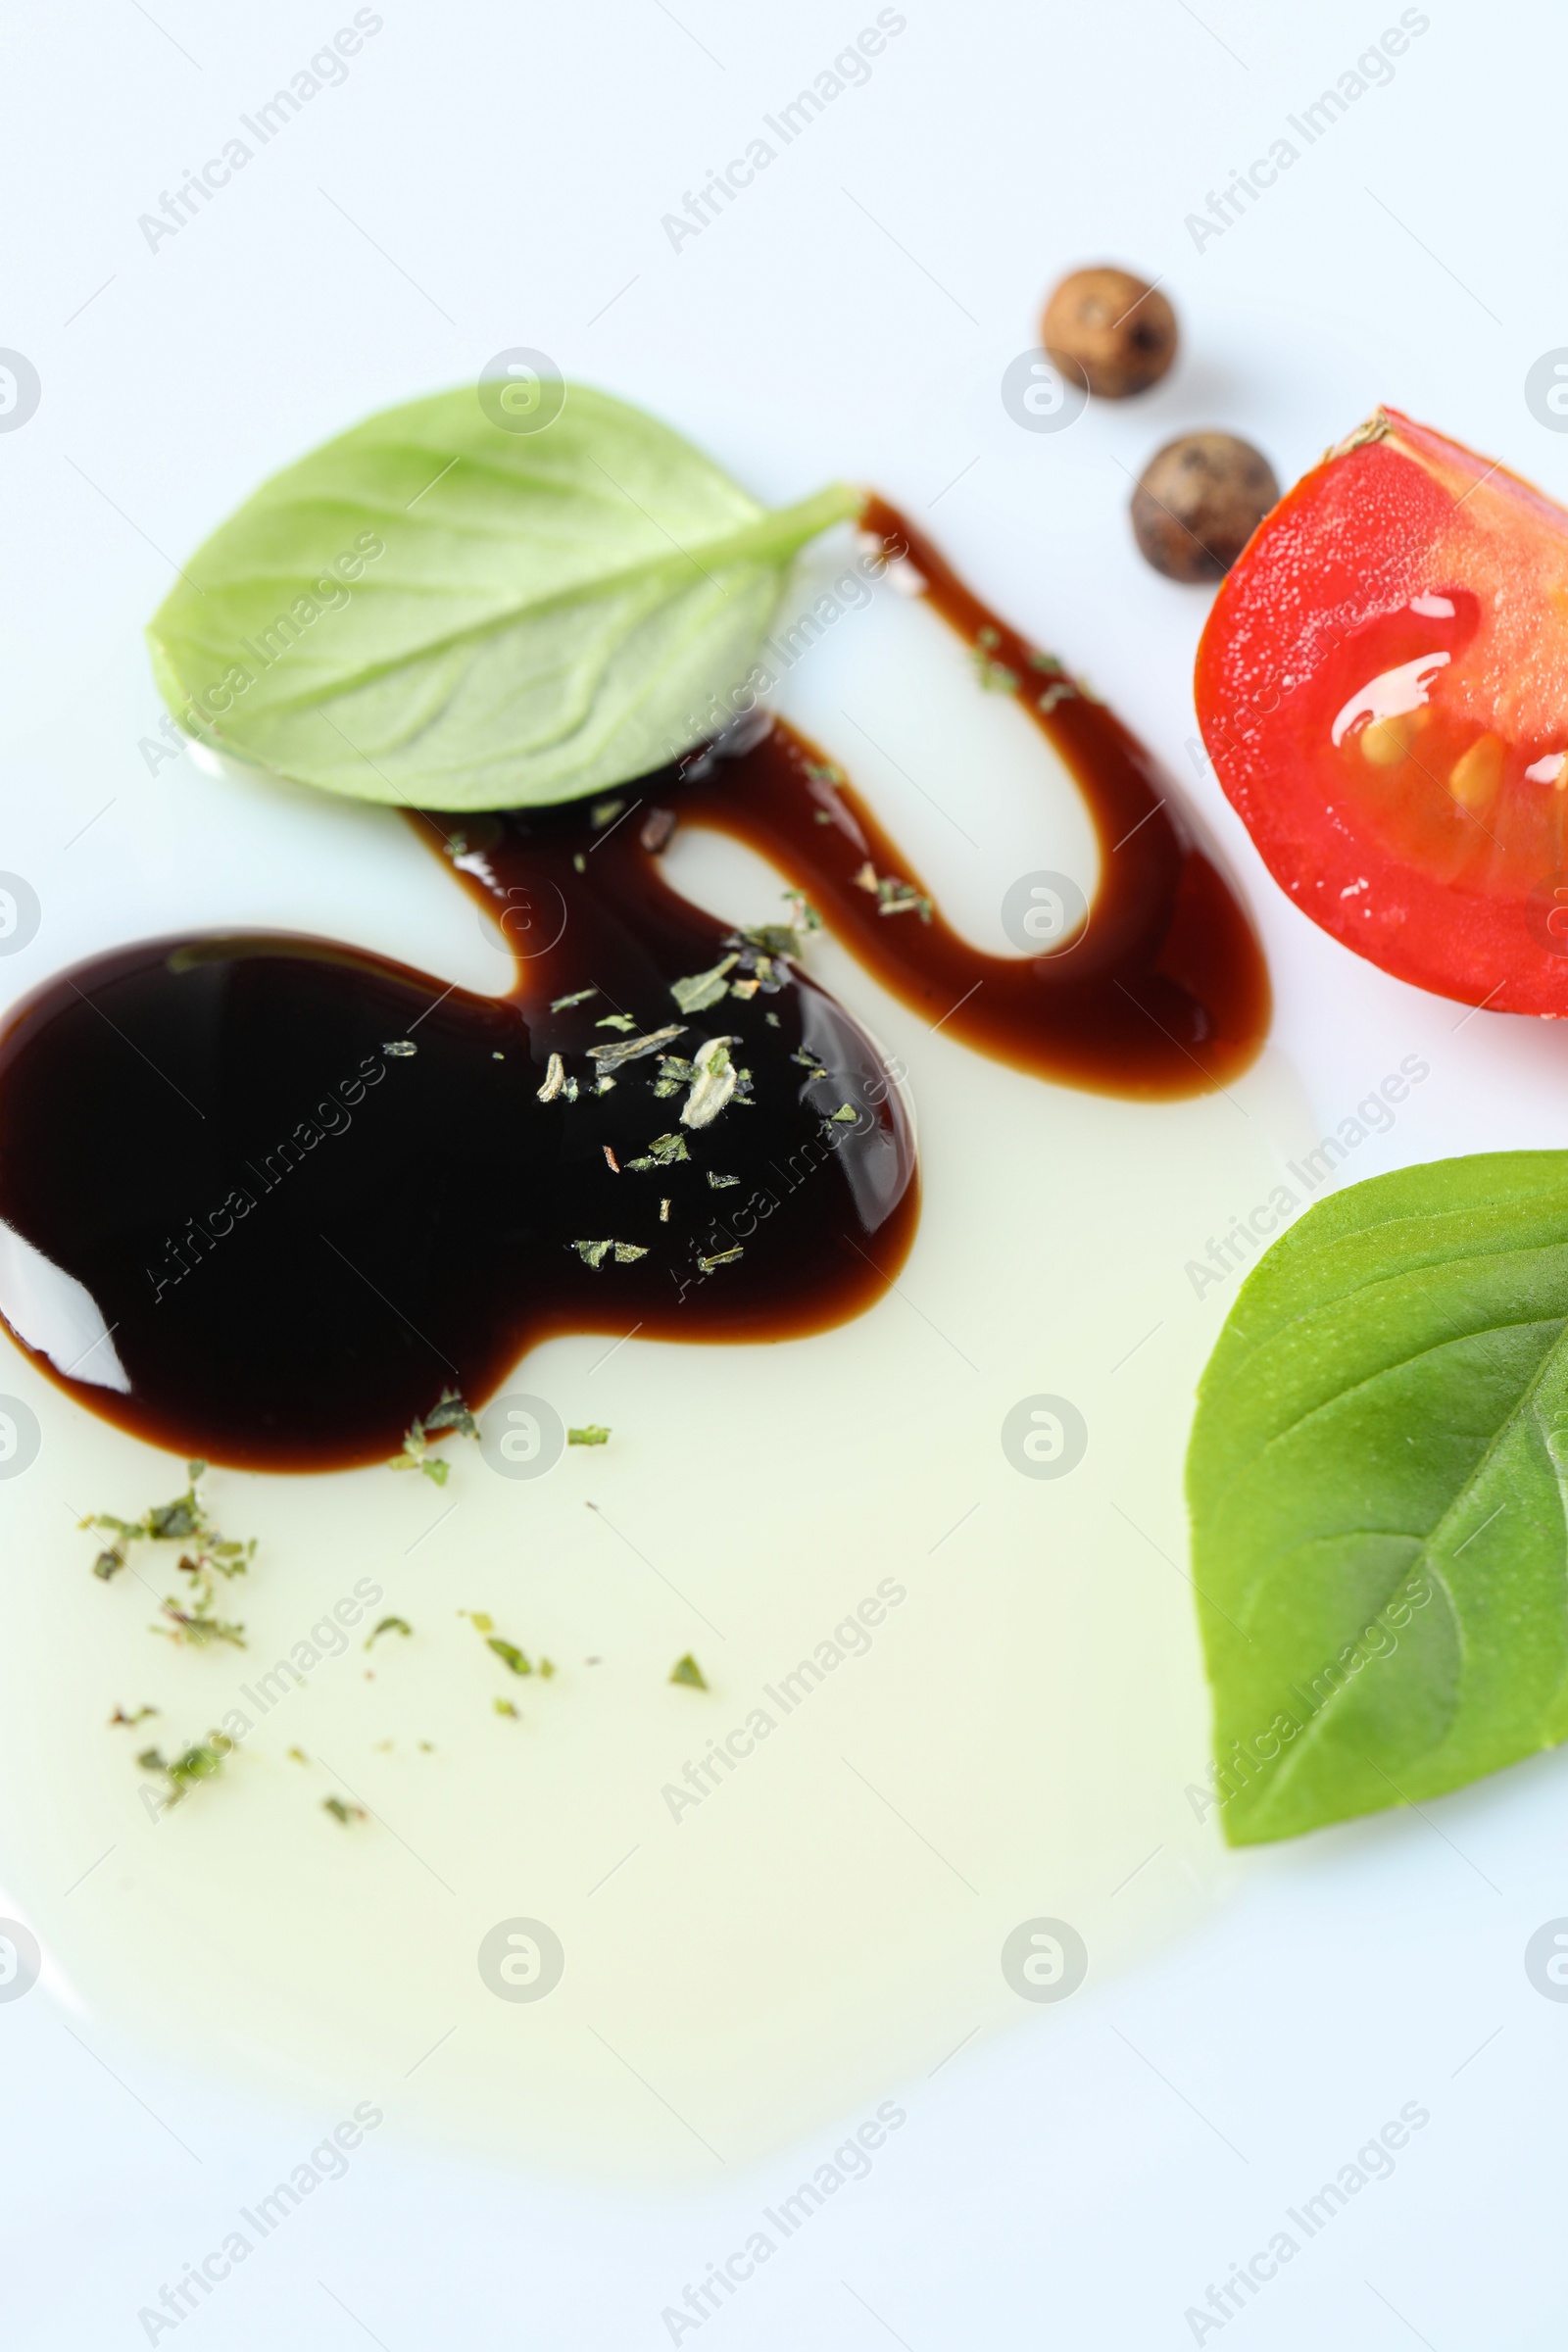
point(448, 1413)
point(611, 1056)
point(388, 1625)
point(662, 1152)
point(192, 1617)
point(699, 990)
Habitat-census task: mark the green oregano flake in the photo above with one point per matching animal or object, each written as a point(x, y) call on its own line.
point(699, 990)
point(342, 1812)
point(994, 677)
point(774, 939)
point(580, 997)
point(662, 1151)
point(615, 1020)
point(191, 1617)
point(613, 1053)
point(196, 1626)
point(686, 1670)
point(203, 1760)
point(515, 1660)
point(1378, 1481)
point(449, 1413)
point(388, 1625)
point(172, 1522)
point(804, 916)
point(893, 896)
point(594, 1433)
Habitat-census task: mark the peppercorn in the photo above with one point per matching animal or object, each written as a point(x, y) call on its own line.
point(1197, 503)
point(1117, 333)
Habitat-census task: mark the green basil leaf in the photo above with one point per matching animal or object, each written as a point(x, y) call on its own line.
point(435, 609)
point(1379, 1489)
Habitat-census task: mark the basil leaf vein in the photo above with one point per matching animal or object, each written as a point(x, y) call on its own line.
point(431, 610)
point(1378, 1480)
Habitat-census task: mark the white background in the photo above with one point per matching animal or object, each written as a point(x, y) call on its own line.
point(490, 176)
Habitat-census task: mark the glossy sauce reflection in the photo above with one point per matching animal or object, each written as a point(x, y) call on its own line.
point(308, 1188)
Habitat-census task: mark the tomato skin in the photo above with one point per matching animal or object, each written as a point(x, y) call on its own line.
point(1450, 868)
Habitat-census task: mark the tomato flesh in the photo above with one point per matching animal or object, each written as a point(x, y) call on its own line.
point(1383, 687)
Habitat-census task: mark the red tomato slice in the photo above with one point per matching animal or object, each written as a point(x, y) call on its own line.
point(1383, 686)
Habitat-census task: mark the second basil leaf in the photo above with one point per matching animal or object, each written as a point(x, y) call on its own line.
point(1379, 1489)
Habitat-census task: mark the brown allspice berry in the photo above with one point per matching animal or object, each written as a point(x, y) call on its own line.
point(1118, 333)
point(1199, 501)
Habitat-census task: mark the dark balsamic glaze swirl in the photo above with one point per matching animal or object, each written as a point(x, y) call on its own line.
point(297, 1238)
